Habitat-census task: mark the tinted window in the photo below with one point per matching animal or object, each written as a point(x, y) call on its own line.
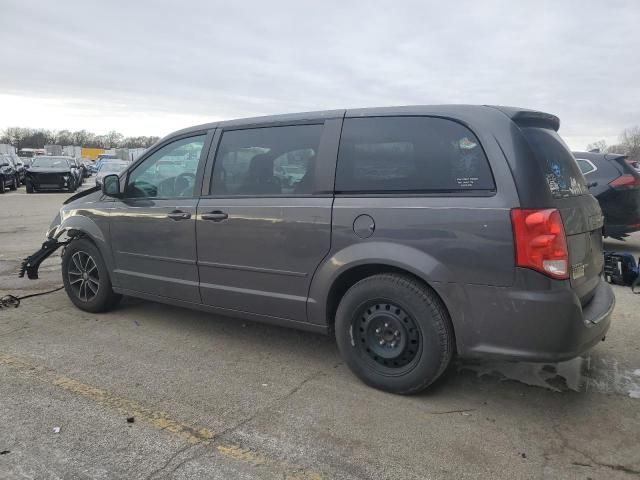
point(563, 175)
point(585, 166)
point(169, 172)
point(50, 162)
point(419, 154)
point(266, 161)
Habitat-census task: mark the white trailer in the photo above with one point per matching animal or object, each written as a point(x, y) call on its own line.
point(6, 148)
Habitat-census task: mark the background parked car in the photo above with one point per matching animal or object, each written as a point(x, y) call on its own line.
point(614, 180)
point(9, 177)
point(81, 171)
point(52, 173)
point(105, 157)
point(22, 169)
point(90, 167)
point(110, 167)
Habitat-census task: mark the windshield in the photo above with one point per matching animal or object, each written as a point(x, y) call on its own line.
point(50, 162)
point(113, 167)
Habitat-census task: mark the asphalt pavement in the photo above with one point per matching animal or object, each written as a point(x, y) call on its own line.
point(153, 391)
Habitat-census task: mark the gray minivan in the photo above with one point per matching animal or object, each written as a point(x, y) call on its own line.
point(409, 233)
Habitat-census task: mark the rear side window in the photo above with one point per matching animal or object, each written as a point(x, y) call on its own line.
point(561, 170)
point(410, 154)
point(266, 161)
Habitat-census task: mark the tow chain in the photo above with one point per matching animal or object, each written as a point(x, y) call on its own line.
point(11, 301)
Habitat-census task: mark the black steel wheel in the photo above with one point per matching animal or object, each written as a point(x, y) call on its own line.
point(83, 275)
point(387, 335)
point(394, 333)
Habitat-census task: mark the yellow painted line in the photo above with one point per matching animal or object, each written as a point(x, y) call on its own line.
point(156, 419)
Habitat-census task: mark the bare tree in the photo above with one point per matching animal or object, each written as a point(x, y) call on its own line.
point(600, 146)
point(16, 136)
point(113, 139)
point(630, 139)
point(37, 138)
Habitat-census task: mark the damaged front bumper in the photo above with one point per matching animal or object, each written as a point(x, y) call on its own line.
point(31, 264)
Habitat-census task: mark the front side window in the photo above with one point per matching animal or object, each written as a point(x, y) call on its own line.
point(410, 154)
point(266, 161)
point(169, 172)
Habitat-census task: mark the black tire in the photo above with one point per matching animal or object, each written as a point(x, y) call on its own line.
point(15, 184)
point(411, 321)
point(1, 184)
point(29, 187)
point(86, 278)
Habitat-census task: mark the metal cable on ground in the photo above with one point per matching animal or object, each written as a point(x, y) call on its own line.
point(9, 301)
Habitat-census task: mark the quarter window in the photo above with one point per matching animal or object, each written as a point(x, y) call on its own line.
point(410, 154)
point(169, 172)
point(585, 166)
point(564, 177)
point(266, 161)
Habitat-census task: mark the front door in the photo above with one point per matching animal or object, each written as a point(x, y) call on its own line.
point(264, 227)
point(153, 226)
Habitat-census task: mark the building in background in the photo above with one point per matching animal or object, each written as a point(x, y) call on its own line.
point(53, 150)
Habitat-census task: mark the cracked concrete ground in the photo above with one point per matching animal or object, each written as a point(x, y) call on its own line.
point(219, 398)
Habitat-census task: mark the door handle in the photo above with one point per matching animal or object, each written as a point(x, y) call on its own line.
point(178, 215)
point(216, 216)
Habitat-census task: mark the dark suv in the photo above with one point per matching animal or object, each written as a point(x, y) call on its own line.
point(9, 174)
point(409, 233)
point(614, 179)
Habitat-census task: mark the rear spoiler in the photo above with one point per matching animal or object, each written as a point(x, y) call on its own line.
point(530, 118)
point(615, 156)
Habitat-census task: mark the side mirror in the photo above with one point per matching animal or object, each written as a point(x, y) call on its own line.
point(111, 186)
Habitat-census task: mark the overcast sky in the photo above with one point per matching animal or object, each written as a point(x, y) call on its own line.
point(151, 67)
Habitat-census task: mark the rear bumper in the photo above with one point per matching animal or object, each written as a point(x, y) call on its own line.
point(537, 326)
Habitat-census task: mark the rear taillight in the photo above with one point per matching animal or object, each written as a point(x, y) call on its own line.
point(625, 182)
point(540, 242)
point(633, 163)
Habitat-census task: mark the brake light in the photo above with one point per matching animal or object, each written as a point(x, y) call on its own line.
point(625, 182)
point(633, 163)
point(540, 241)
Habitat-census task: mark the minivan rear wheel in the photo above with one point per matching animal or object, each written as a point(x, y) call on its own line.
point(394, 333)
point(86, 278)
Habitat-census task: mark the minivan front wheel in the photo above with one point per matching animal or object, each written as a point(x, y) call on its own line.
point(86, 278)
point(394, 333)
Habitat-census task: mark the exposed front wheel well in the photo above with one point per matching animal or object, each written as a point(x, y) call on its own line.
point(352, 276)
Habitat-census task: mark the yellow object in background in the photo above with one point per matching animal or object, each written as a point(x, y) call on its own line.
point(91, 153)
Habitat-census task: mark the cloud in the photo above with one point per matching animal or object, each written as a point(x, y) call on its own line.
point(131, 65)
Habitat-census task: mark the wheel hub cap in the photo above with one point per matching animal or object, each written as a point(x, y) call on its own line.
point(386, 334)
